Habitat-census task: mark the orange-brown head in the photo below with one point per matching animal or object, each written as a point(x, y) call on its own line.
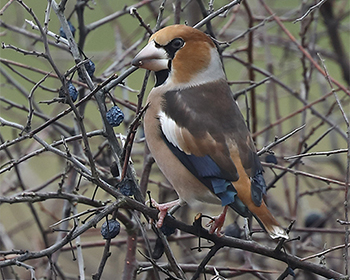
point(184, 51)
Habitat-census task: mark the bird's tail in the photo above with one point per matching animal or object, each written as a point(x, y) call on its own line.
point(268, 222)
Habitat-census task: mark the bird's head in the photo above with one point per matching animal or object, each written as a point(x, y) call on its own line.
point(188, 56)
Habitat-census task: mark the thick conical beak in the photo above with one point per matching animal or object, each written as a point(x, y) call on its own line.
point(151, 58)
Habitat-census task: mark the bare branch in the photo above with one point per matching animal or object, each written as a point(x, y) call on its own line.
point(316, 6)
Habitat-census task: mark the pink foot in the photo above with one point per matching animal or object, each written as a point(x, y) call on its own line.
point(163, 209)
point(217, 223)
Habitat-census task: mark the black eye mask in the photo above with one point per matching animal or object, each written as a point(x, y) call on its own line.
point(173, 46)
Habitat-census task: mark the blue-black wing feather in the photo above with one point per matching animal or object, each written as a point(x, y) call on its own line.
point(212, 176)
point(258, 185)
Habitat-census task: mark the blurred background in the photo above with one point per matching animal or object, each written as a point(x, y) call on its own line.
point(274, 54)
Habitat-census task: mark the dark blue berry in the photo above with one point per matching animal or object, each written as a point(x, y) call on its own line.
point(233, 230)
point(315, 220)
point(158, 249)
point(110, 229)
point(271, 159)
point(126, 187)
point(71, 27)
point(114, 169)
point(90, 68)
point(115, 116)
point(291, 271)
point(72, 91)
point(167, 230)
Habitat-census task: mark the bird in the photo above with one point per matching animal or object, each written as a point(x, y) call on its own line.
point(196, 132)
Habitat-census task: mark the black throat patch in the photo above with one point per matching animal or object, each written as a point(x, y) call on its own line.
point(161, 77)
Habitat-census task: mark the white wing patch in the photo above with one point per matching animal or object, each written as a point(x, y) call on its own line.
point(169, 128)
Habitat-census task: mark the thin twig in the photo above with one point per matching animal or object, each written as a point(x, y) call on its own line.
point(30, 101)
point(316, 6)
point(80, 257)
point(298, 172)
point(5, 7)
point(242, 35)
point(134, 12)
point(298, 159)
point(255, 84)
point(216, 13)
point(279, 140)
point(328, 153)
point(325, 252)
point(148, 244)
point(204, 262)
point(22, 51)
point(171, 258)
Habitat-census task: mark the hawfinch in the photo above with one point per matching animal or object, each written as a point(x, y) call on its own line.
point(196, 132)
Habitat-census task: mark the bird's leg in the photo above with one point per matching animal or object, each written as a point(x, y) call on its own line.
point(217, 223)
point(163, 209)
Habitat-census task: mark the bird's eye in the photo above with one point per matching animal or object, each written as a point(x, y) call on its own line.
point(177, 43)
point(173, 46)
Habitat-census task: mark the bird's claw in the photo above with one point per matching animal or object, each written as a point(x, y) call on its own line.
point(163, 210)
point(217, 223)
